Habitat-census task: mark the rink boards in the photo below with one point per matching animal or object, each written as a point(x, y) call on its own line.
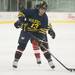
point(54, 17)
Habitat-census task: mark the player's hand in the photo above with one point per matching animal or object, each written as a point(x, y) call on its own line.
point(52, 33)
point(21, 25)
point(17, 24)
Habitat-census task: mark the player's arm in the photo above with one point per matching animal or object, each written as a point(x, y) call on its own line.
point(21, 22)
point(23, 18)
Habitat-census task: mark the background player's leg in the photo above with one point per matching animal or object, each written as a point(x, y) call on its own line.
point(36, 51)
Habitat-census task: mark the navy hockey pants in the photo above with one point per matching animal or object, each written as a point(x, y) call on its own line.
point(26, 36)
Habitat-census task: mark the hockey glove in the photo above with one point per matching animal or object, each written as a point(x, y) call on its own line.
point(21, 25)
point(52, 33)
point(17, 24)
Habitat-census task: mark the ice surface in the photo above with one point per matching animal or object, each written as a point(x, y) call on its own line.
point(63, 47)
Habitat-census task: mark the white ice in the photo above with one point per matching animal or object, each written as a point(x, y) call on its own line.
point(63, 47)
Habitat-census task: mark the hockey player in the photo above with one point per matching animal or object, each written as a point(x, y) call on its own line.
point(34, 23)
point(34, 43)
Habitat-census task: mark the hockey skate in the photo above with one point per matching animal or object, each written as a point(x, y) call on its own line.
point(38, 61)
point(15, 64)
point(51, 64)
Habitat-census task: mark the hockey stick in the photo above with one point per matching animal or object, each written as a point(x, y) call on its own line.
point(69, 69)
point(41, 41)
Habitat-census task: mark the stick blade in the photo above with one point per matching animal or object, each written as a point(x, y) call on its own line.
point(74, 70)
point(71, 69)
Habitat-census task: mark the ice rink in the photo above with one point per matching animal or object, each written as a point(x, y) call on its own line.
point(63, 47)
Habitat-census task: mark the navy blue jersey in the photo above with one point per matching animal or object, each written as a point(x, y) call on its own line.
point(35, 21)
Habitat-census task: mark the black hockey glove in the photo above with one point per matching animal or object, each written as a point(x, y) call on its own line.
point(17, 24)
point(21, 25)
point(52, 33)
